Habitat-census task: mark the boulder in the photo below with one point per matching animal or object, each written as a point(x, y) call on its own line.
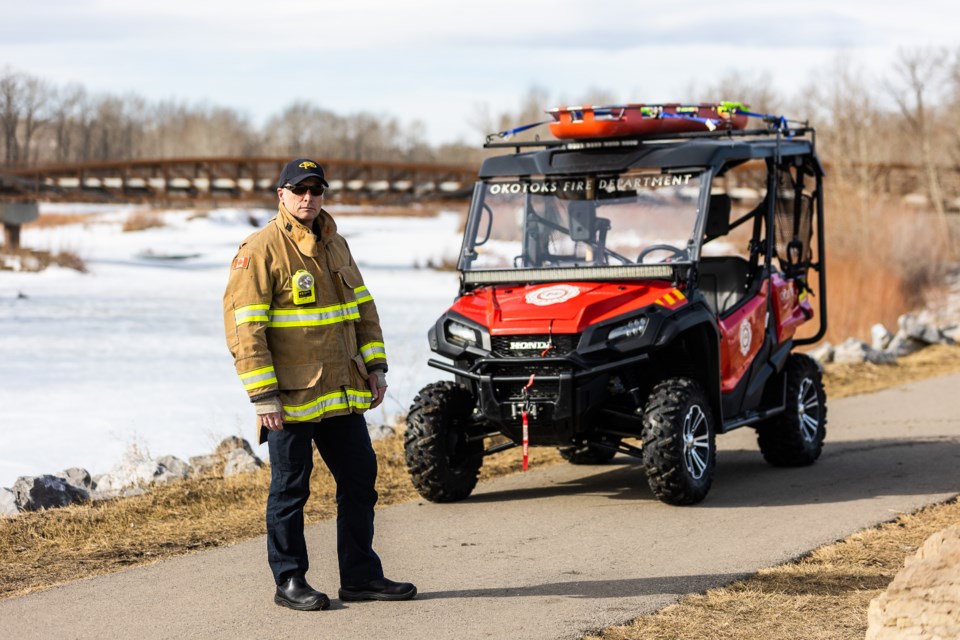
point(951, 331)
point(380, 431)
point(209, 463)
point(880, 337)
point(854, 351)
point(239, 461)
point(8, 502)
point(921, 326)
point(230, 443)
point(823, 354)
point(923, 601)
point(904, 345)
point(100, 480)
point(46, 492)
point(78, 477)
point(173, 469)
point(135, 469)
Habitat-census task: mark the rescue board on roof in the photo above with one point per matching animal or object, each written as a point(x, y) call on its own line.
point(620, 121)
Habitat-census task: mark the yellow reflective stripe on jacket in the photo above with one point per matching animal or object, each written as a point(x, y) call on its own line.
point(312, 317)
point(257, 378)
point(362, 294)
point(251, 313)
point(336, 401)
point(372, 351)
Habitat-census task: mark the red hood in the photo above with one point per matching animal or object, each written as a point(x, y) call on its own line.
point(568, 307)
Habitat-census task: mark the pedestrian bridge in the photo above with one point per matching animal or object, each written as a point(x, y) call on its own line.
point(229, 179)
point(211, 180)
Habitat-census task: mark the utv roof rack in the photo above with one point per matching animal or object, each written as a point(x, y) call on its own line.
point(633, 141)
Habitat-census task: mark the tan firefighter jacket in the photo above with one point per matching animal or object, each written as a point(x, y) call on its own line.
point(299, 320)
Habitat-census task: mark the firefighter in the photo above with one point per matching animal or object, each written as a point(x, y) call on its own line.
point(307, 344)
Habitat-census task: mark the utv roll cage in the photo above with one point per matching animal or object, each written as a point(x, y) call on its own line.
point(790, 148)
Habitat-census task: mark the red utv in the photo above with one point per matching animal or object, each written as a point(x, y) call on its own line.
point(634, 295)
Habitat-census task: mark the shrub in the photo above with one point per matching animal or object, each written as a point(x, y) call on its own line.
point(141, 220)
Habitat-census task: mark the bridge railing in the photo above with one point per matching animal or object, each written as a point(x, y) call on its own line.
point(234, 178)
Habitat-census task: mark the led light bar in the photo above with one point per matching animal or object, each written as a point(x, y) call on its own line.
point(626, 272)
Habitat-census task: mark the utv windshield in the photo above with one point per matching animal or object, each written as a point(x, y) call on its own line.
point(602, 226)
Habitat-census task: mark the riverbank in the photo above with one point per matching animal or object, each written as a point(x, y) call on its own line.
point(38, 550)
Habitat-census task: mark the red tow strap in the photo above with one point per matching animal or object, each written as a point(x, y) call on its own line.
point(526, 423)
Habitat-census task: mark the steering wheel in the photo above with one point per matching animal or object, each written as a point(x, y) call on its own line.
point(660, 247)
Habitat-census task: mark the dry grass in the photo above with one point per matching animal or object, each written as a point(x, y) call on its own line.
point(852, 310)
point(143, 220)
point(51, 220)
point(882, 258)
point(32, 261)
point(843, 380)
point(822, 595)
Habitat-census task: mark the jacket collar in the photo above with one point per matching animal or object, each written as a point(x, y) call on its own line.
point(303, 237)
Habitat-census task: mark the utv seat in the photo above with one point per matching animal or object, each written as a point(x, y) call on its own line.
point(723, 281)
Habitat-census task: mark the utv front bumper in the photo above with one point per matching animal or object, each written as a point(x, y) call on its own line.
point(559, 394)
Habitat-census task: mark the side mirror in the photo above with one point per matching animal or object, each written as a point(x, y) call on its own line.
point(583, 220)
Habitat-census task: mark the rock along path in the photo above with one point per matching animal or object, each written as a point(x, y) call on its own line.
point(548, 554)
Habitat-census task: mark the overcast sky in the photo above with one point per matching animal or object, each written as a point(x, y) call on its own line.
point(437, 61)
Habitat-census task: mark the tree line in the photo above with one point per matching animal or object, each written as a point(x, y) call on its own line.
point(910, 115)
point(44, 123)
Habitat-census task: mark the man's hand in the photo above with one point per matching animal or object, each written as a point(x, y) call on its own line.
point(377, 382)
point(270, 413)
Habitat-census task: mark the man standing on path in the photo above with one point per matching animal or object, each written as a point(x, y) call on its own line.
point(306, 339)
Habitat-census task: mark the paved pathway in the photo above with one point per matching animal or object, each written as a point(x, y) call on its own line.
point(548, 554)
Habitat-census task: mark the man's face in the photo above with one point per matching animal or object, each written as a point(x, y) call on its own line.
point(305, 207)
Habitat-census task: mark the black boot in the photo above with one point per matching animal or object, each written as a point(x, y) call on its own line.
point(381, 589)
point(297, 594)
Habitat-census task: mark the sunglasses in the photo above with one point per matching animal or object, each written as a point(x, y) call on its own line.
point(300, 190)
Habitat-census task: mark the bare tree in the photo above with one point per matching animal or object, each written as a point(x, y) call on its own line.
point(916, 74)
point(10, 114)
point(845, 105)
point(755, 91)
point(299, 128)
point(954, 107)
point(68, 108)
point(37, 98)
point(531, 110)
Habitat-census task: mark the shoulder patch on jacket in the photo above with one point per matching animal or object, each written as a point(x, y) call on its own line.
point(241, 262)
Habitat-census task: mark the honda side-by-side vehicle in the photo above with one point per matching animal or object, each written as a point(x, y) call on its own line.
point(628, 294)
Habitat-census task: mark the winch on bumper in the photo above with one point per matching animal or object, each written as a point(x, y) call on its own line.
point(563, 392)
point(557, 402)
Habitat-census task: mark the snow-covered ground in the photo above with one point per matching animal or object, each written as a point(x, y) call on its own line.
point(133, 351)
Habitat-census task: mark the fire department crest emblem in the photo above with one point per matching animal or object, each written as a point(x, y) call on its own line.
point(746, 337)
point(552, 295)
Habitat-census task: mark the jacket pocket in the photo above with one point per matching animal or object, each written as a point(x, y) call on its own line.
point(298, 376)
point(348, 277)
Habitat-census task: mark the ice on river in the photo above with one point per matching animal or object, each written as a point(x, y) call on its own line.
point(133, 351)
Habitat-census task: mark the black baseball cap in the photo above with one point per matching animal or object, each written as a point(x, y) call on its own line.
point(296, 171)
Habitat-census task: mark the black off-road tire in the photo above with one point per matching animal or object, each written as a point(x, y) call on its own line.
point(443, 466)
point(679, 446)
point(795, 437)
point(587, 454)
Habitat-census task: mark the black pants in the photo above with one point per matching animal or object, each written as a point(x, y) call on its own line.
point(344, 445)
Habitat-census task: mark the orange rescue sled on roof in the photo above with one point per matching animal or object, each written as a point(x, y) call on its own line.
point(620, 121)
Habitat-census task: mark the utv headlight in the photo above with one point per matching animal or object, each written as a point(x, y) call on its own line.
point(462, 334)
point(631, 329)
